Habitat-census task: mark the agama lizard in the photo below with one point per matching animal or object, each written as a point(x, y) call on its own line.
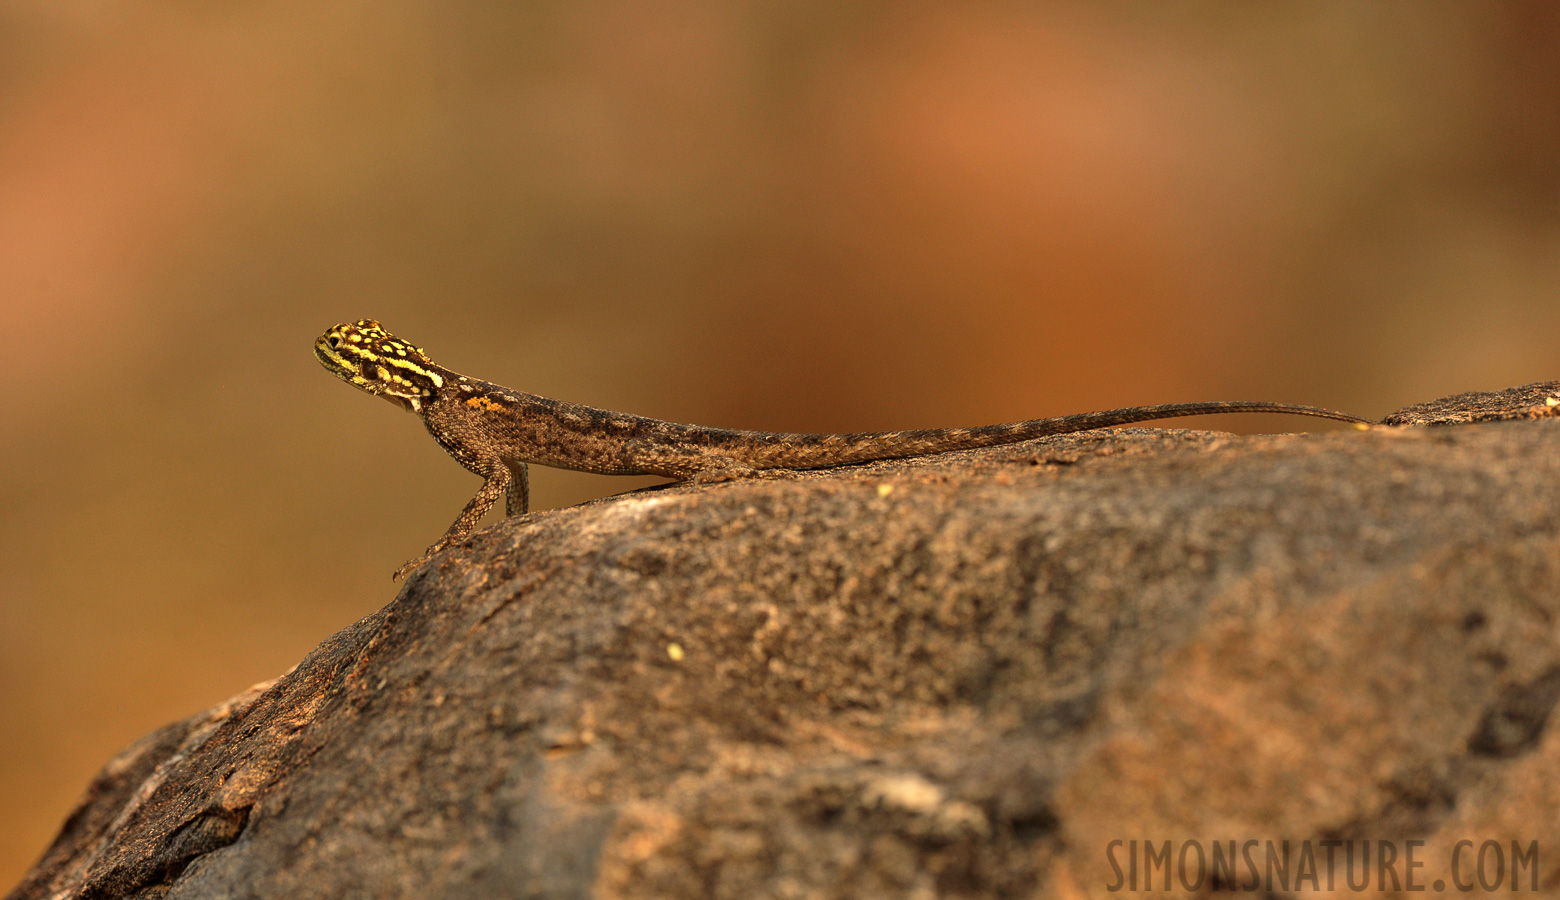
point(495, 431)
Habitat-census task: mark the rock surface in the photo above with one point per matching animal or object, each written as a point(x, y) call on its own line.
point(962, 676)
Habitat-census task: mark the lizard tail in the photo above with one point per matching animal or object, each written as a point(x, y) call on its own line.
point(802, 451)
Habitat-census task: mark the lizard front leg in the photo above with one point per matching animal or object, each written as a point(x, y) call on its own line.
point(498, 481)
point(518, 501)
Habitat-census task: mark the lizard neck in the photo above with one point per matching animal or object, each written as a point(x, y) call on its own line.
point(423, 387)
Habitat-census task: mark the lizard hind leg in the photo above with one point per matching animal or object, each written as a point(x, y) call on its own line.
point(725, 469)
point(717, 469)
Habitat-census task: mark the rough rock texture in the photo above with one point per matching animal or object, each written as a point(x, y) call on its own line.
point(955, 677)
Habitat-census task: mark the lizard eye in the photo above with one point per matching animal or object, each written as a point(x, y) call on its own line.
point(333, 341)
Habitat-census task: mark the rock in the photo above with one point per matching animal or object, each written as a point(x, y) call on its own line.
point(964, 676)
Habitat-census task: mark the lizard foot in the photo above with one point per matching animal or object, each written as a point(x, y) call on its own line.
point(413, 565)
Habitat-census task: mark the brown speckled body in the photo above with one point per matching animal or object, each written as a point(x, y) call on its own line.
point(496, 431)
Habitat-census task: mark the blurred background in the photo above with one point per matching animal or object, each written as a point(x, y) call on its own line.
point(807, 216)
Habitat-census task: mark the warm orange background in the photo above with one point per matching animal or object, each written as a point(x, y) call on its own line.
point(801, 216)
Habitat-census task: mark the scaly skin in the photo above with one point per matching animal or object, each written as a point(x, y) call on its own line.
point(496, 431)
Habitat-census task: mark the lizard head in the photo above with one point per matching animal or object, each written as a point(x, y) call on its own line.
point(366, 356)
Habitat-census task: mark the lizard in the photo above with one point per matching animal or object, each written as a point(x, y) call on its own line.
point(495, 431)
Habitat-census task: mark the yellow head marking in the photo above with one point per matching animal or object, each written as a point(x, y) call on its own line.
point(366, 356)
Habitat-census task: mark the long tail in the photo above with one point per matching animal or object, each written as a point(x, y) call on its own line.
point(824, 450)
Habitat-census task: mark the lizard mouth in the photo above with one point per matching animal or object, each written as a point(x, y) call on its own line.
point(331, 360)
point(337, 365)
